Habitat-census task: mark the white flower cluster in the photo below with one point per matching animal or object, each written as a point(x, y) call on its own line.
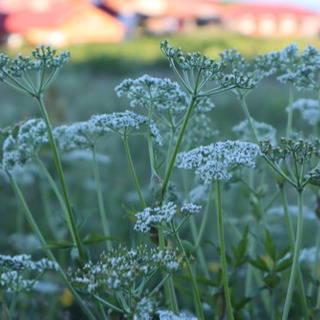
point(299, 69)
point(169, 315)
point(215, 161)
point(190, 208)
point(163, 94)
point(119, 268)
point(11, 281)
point(24, 262)
point(309, 109)
point(119, 120)
point(145, 309)
point(264, 131)
point(79, 135)
point(12, 266)
point(19, 147)
point(150, 216)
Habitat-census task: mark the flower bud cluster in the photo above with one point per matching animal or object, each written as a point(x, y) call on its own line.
point(119, 268)
point(16, 72)
point(215, 161)
point(50, 57)
point(24, 143)
point(303, 151)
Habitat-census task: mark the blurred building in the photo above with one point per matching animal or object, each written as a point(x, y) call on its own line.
point(63, 22)
point(271, 19)
point(59, 23)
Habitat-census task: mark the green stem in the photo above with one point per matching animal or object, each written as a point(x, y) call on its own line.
point(133, 172)
point(303, 298)
point(176, 148)
point(196, 295)
point(169, 291)
point(223, 253)
point(102, 210)
point(295, 264)
point(204, 222)
point(70, 219)
point(43, 243)
point(315, 262)
point(248, 117)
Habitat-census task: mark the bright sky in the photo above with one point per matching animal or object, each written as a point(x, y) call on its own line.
point(313, 4)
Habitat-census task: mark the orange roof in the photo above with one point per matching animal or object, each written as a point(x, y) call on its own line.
point(57, 13)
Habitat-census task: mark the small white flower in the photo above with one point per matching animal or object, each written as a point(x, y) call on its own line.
point(17, 150)
point(215, 161)
point(150, 216)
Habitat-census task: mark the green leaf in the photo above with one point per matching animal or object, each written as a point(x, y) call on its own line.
point(284, 264)
point(243, 301)
point(59, 245)
point(97, 237)
point(270, 246)
point(240, 251)
point(259, 263)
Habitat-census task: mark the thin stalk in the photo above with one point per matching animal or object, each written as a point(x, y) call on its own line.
point(248, 117)
point(289, 121)
point(302, 294)
point(204, 222)
point(133, 172)
point(43, 243)
point(13, 305)
point(295, 264)
point(53, 186)
point(196, 295)
point(223, 253)
point(102, 210)
point(70, 219)
point(169, 291)
point(316, 260)
point(177, 146)
point(108, 304)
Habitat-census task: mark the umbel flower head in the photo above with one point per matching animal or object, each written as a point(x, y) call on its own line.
point(32, 75)
point(24, 143)
point(12, 269)
point(122, 122)
point(151, 216)
point(217, 160)
point(79, 135)
point(119, 268)
point(145, 91)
